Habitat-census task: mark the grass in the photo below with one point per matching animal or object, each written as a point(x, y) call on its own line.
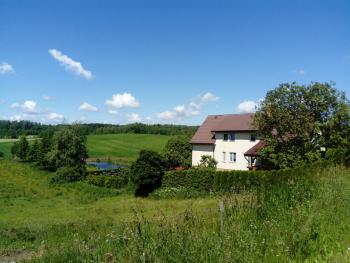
point(117, 148)
point(304, 221)
point(123, 148)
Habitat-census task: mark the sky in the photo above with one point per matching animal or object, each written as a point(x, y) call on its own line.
point(163, 61)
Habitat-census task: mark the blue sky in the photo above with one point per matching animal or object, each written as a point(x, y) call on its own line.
point(163, 61)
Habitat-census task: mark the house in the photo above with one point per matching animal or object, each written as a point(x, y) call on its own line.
point(230, 139)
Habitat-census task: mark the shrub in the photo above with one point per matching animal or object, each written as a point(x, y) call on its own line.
point(68, 174)
point(147, 172)
point(110, 181)
point(178, 152)
point(207, 161)
point(1, 154)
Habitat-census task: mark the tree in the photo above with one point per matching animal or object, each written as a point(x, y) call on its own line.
point(68, 149)
point(21, 148)
point(298, 121)
point(208, 162)
point(178, 152)
point(147, 172)
point(34, 152)
point(45, 144)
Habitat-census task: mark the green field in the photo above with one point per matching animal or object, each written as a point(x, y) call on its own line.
point(123, 148)
point(78, 222)
point(119, 148)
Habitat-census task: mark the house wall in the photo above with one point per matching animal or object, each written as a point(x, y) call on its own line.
point(201, 149)
point(240, 145)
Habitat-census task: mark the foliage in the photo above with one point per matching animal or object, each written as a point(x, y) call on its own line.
point(21, 148)
point(34, 152)
point(296, 121)
point(13, 129)
point(67, 174)
point(178, 152)
point(147, 172)
point(208, 162)
point(209, 180)
point(118, 179)
point(1, 154)
point(68, 149)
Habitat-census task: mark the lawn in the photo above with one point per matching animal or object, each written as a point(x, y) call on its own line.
point(123, 148)
point(119, 148)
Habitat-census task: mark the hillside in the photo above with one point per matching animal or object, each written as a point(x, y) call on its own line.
point(83, 223)
point(120, 148)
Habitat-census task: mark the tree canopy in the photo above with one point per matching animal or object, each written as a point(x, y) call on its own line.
point(299, 121)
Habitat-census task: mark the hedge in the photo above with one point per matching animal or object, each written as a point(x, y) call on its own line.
point(118, 179)
point(204, 179)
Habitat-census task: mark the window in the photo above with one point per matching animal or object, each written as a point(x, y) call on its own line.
point(224, 156)
point(253, 137)
point(225, 136)
point(232, 157)
point(232, 136)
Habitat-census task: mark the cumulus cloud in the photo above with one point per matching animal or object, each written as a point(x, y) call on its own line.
point(192, 109)
point(55, 117)
point(247, 106)
point(70, 64)
point(134, 117)
point(87, 107)
point(124, 100)
point(28, 106)
point(6, 68)
point(209, 97)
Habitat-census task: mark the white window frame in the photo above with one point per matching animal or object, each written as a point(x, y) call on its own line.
point(233, 157)
point(224, 157)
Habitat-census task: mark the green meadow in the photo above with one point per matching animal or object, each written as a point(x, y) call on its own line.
point(123, 148)
point(306, 221)
point(117, 148)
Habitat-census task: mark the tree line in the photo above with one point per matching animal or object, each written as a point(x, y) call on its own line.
point(14, 129)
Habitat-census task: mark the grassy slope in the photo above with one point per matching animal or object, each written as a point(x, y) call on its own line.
point(84, 223)
point(120, 148)
point(123, 148)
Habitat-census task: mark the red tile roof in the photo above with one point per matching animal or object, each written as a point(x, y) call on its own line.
point(254, 151)
point(220, 123)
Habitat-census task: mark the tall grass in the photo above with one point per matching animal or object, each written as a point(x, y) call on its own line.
point(292, 221)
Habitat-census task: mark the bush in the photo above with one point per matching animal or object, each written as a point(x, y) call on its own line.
point(147, 172)
point(109, 181)
point(207, 162)
point(205, 179)
point(1, 154)
point(68, 174)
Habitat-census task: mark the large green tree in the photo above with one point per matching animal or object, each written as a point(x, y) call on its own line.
point(299, 121)
point(68, 149)
point(178, 151)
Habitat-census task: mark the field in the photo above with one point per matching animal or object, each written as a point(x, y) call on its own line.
point(123, 148)
point(77, 222)
point(118, 148)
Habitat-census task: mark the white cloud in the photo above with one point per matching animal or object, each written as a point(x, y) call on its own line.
point(193, 108)
point(134, 117)
point(28, 106)
point(70, 64)
point(87, 107)
point(122, 101)
point(53, 116)
point(113, 112)
point(247, 106)
point(209, 97)
point(6, 68)
point(46, 97)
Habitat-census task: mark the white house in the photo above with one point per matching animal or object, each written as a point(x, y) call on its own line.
point(230, 139)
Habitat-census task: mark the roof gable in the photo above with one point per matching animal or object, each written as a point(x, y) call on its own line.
point(217, 123)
